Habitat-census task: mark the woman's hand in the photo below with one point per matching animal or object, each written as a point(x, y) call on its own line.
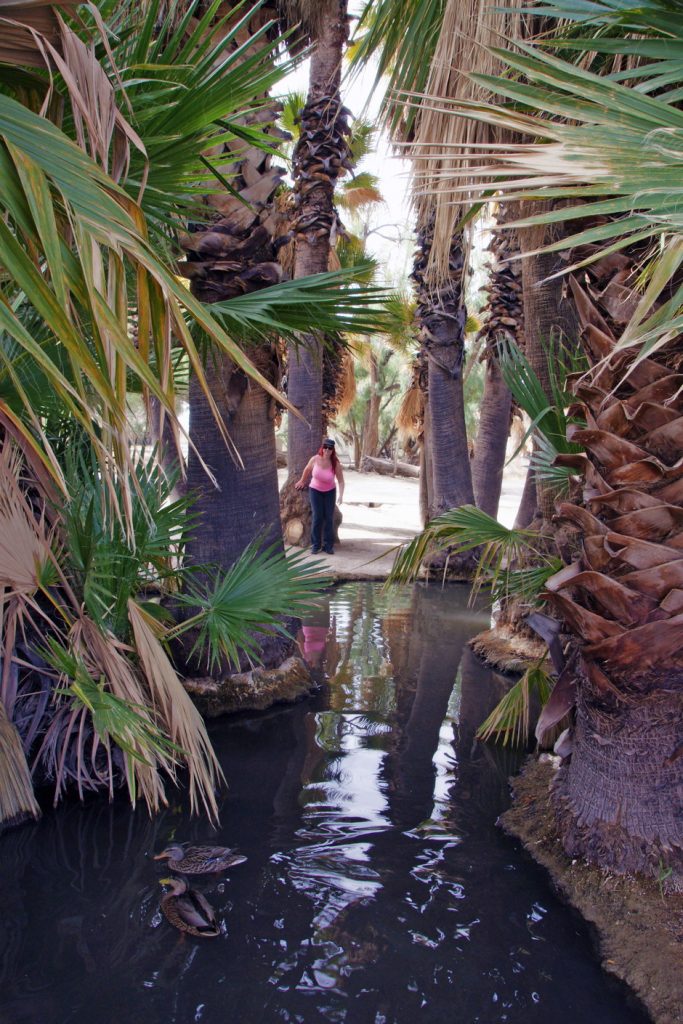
point(300, 484)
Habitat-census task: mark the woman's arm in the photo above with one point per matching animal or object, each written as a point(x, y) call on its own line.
point(305, 476)
point(339, 473)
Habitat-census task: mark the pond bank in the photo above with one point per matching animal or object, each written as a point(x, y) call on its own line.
point(639, 927)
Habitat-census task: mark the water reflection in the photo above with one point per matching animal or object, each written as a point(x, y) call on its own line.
point(377, 887)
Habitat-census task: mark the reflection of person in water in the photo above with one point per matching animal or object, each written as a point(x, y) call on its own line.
point(317, 640)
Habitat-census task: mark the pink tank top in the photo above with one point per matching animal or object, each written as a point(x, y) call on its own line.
point(314, 639)
point(323, 479)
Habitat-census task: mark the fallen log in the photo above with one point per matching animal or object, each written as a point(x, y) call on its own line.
point(389, 468)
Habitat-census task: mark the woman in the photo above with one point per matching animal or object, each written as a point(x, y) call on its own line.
point(323, 472)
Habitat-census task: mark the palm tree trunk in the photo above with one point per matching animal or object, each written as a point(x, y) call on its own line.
point(441, 317)
point(618, 797)
point(491, 443)
point(548, 316)
point(233, 251)
point(320, 155)
point(371, 424)
point(245, 506)
point(426, 466)
point(504, 316)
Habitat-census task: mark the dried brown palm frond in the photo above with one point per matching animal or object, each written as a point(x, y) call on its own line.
point(441, 150)
point(100, 127)
point(410, 415)
point(182, 722)
point(24, 539)
point(16, 789)
point(19, 23)
point(347, 384)
point(105, 658)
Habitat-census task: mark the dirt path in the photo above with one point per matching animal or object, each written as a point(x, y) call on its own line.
point(381, 512)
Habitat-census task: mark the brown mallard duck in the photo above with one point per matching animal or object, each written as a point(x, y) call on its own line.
point(199, 860)
point(187, 910)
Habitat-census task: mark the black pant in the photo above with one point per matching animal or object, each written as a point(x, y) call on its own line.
point(322, 507)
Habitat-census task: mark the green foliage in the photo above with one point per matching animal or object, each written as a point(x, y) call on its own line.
point(548, 415)
point(106, 567)
point(403, 47)
point(256, 592)
point(126, 724)
point(336, 302)
point(468, 528)
point(611, 144)
point(509, 722)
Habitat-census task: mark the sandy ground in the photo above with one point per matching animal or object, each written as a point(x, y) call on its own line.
point(382, 512)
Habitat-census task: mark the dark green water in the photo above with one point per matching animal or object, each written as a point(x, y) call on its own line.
point(377, 887)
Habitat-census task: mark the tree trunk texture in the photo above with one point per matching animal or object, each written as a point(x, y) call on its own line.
point(320, 155)
point(245, 506)
point(371, 424)
point(504, 317)
point(233, 251)
point(426, 465)
point(441, 318)
point(620, 595)
point(548, 315)
point(620, 799)
point(491, 443)
point(528, 502)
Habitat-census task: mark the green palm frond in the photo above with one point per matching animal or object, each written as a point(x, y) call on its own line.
point(254, 595)
point(614, 150)
point(510, 721)
point(362, 138)
point(464, 529)
point(403, 47)
point(336, 302)
point(50, 182)
point(188, 91)
point(549, 420)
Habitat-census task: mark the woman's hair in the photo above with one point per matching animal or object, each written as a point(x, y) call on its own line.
point(334, 460)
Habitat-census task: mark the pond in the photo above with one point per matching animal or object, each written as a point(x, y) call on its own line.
point(377, 888)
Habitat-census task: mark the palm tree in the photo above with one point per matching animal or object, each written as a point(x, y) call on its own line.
point(450, 38)
point(504, 315)
point(320, 157)
point(230, 251)
point(86, 267)
point(617, 597)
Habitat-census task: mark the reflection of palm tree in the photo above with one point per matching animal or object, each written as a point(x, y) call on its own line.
point(437, 643)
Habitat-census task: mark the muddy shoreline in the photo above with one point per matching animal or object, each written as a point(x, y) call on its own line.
point(639, 923)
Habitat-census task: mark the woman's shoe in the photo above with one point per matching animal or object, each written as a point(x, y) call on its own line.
point(328, 551)
point(315, 551)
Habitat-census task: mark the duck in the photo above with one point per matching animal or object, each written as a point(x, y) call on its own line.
point(187, 910)
point(199, 860)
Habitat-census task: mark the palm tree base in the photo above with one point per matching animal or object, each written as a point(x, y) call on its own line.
point(630, 821)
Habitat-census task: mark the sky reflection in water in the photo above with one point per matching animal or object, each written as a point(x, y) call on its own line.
point(377, 887)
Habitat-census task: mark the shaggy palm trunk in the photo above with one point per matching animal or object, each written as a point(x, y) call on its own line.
point(319, 157)
point(621, 598)
point(231, 252)
point(441, 317)
point(505, 317)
